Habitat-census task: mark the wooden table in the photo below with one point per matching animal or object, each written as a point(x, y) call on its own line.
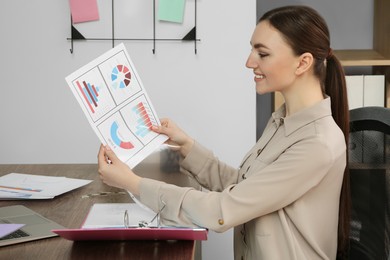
point(69, 210)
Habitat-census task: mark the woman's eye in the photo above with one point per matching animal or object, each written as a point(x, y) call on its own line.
point(263, 55)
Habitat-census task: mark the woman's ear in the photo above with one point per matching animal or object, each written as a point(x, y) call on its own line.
point(306, 61)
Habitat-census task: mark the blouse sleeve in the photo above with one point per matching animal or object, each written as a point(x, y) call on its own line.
point(294, 173)
point(208, 170)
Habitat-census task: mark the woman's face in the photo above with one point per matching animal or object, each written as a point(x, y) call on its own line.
point(271, 59)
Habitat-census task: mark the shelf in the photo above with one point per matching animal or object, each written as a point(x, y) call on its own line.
point(361, 58)
point(378, 57)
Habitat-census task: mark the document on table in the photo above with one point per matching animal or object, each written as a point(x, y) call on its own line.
point(112, 215)
point(113, 98)
point(28, 186)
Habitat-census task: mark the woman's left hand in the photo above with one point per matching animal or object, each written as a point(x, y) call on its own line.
point(115, 173)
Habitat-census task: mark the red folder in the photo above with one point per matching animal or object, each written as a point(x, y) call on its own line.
point(129, 233)
point(162, 233)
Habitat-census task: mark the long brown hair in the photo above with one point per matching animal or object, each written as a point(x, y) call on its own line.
point(306, 31)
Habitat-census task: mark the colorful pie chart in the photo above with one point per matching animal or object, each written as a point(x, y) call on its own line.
point(120, 76)
point(117, 140)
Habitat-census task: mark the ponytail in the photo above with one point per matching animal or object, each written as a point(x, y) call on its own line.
point(335, 87)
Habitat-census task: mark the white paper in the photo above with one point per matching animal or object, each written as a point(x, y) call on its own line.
point(374, 90)
point(111, 215)
point(365, 90)
point(355, 85)
point(28, 186)
point(114, 100)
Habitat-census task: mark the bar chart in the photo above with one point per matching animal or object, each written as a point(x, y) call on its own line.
point(143, 122)
point(90, 94)
point(93, 94)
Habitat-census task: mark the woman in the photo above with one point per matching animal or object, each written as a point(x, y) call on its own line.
point(283, 201)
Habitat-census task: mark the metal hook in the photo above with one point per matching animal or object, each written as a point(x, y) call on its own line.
point(71, 44)
point(71, 34)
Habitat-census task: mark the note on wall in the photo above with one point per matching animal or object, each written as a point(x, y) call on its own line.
point(84, 10)
point(116, 104)
point(171, 10)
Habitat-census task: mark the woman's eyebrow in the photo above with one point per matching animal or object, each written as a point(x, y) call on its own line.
point(259, 45)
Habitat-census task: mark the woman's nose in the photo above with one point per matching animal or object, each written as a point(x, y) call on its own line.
point(250, 63)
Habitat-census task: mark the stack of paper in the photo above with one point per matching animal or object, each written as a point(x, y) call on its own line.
point(98, 217)
point(27, 186)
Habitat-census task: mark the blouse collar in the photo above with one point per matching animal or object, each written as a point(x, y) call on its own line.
point(302, 117)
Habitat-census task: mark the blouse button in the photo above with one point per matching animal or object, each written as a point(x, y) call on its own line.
point(220, 221)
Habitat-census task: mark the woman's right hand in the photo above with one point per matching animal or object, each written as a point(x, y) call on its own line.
point(177, 137)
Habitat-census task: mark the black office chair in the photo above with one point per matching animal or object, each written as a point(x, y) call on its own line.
point(369, 159)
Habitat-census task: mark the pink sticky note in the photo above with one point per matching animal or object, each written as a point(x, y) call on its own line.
point(84, 10)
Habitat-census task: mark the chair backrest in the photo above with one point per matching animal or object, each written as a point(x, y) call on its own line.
point(369, 164)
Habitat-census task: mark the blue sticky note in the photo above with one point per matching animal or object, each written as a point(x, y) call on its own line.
point(171, 10)
point(6, 229)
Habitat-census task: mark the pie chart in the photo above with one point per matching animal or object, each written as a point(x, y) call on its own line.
point(120, 76)
point(117, 140)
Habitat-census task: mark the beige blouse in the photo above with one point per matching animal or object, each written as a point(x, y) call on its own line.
point(282, 201)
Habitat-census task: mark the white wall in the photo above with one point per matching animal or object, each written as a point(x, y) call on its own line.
point(211, 94)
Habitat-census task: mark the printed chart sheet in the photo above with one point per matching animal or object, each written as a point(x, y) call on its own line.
point(117, 106)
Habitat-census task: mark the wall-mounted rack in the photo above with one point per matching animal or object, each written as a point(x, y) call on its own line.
point(190, 36)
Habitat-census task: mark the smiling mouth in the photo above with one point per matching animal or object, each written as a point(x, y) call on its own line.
point(259, 76)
